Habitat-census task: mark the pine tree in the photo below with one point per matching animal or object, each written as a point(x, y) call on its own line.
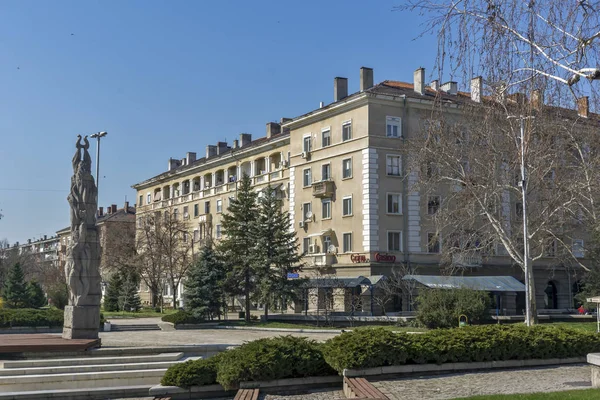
point(238, 241)
point(276, 251)
point(204, 285)
point(15, 293)
point(113, 291)
point(129, 298)
point(35, 295)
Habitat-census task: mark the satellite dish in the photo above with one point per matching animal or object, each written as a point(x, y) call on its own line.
point(331, 248)
point(309, 215)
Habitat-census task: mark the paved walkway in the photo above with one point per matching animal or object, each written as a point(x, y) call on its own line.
point(442, 387)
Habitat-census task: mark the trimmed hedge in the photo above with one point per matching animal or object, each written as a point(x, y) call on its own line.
point(192, 373)
point(30, 317)
point(182, 317)
point(364, 348)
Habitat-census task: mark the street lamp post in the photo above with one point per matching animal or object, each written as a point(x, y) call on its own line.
point(98, 136)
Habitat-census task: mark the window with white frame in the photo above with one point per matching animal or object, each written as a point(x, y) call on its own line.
point(325, 172)
point(433, 204)
point(394, 203)
point(185, 237)
point(393, 165)
point(196, 235)
point(433, 243)
point(326, 206)
point(307, 144)
point(207, 207)
point(218, 231)
point(219, 205)
point(186, 214)
point(394, 240)
point(578, 249)
point(306, 211)
point(305, 245)
point(346, 131)
point(347, 242)
point(393, 127)
point(326, 137)
point(196, 210)
point(347, 206)
point(306, 177)
point(176, 214)
point(326, 243)
point(347, 168)
point(148, 198)
point(141, 200)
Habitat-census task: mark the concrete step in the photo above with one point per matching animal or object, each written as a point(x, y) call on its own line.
point(123, 328)
point(92, 361)
point(101, 393)
point(84, 380)
point(88, 368)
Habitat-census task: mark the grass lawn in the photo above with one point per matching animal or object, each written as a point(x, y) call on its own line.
point(144, 313)
point(289, 325)
point(584, 326)
point(586, 394)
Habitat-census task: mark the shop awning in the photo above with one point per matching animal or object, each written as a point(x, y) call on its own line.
point(485, 283)
point(335, 281)
point(326, 232)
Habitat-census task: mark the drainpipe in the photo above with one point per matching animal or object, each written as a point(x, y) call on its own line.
point(405, 198)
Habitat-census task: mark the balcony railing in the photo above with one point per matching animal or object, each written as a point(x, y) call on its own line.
point(276, 174)
point(322, 260)
point(323, 188)
point(220, 188)
point(468, 260)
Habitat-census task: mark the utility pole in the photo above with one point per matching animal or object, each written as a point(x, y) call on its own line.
point(98, 136)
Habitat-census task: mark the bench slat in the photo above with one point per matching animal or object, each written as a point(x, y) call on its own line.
point(363, 389)
point(372, 389)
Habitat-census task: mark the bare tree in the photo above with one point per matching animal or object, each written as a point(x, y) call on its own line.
point(164, 251)
point(393, 285)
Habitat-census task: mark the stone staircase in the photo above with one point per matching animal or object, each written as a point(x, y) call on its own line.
point(57, 378)
point(134, 327)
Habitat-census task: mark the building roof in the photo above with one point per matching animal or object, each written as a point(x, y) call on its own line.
point(485, 283)
point(120, 215)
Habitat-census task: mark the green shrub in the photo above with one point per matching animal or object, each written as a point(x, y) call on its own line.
point(376, 347)
point(192, 373)
point(440, 308)
point(269, 359)
point(183, 317)
point(30, 317)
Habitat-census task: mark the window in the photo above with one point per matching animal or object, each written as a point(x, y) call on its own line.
point(148, 198)
point(185, 237)
point(196, 210)
point(176, 214)
point(346, 131)
point(326, 208)
point(326, 136)
point(305, 245)
point(325, 172)
point(393, 127)
point(393, 165)
point(394, 203)
point(395, 241)
point(218, 231)
point(306, 211)
point(207, 207)
point(550, 249)
point(141, 200)
point(196, 235)
point(219, 205)
point(347, 168)
point(306, 144)
point(186, 214)
point(347, 242)
point(347, 206)
point(433, 204)
point(306, 177)
point(433, 243)
point(326, 244)
point(578, 250)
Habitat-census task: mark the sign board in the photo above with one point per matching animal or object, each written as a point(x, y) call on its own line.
point(388, 258)
point(359, 258)
point(291, 275)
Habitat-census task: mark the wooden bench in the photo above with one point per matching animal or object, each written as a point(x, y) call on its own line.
point(247, 394)
point(360, 388)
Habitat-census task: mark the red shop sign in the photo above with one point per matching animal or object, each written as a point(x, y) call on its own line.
point(385, 258)
point(358, 258)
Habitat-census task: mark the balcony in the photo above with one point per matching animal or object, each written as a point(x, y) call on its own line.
point(468, 260)
point(206, 218)
point(321, 260)
point(323, 188)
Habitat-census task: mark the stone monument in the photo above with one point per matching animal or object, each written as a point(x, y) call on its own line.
point(82, 315)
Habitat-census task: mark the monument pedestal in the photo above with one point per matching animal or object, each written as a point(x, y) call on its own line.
point(81, 322)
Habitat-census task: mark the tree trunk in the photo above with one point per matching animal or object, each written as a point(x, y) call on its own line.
point(266, 312)
point(533, 317)
point(247, 294)
point(173, 289)
point(154, 296)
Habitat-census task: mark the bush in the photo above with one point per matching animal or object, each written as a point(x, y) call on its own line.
point(376, 347)
point(192, 373)
point(440, 308)
point(30, 317)
point(183, 317)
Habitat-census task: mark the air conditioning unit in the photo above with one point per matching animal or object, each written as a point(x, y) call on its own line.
point(304, 154)
point(301, 224)
point(283, 164)
point(312, 248)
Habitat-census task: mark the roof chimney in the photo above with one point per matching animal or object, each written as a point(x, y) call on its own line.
point(435, 85)
point(222, 148)
point(583, 106)
point(100, 211)
point(273, 128)
point(245, 138)
point(45, 237)
point(211, 151)
point(537, 99)
point(173, 164)
point(235, 144)
point(450, 87)
point(476, 89)
point(126, 208)
point(108, 210)
point(419, 80)
point(114, 208)
point(366, 78)
point(340, 88)
point(190, 157)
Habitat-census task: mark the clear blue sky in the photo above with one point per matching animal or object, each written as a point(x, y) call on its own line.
point(167, 77)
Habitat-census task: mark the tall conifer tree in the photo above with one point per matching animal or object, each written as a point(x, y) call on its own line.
point(204, 285)
point(15, 293)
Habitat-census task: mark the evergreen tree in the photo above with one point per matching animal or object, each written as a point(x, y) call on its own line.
point(204, 285)
point(113, 291)
point(15, 293)
point(129, 298)
point(238, 241)
point(35, 295)
point(276, 252)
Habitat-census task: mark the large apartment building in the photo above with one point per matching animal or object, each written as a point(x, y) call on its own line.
point(343, 175)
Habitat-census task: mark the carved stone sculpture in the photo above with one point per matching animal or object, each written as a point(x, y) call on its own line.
point(82, 315)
